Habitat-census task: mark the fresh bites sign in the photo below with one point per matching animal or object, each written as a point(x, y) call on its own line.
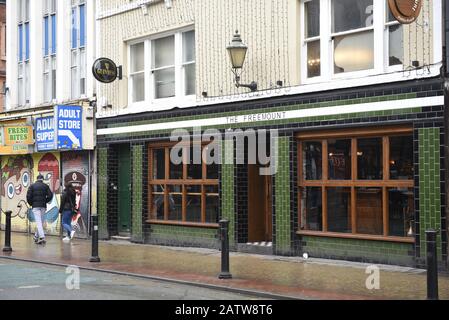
point(69, 127)
point(62, 131)
point(16, 139)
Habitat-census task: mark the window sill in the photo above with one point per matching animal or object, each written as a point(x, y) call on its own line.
point(355, 236)
point(184, 224)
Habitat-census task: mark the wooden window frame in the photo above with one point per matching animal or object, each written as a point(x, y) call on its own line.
point(184, 182)
point(385, 133)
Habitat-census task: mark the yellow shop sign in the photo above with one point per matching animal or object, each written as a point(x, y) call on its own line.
point(15, 135)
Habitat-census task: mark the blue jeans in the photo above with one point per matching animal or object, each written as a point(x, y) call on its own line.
point(67, 221)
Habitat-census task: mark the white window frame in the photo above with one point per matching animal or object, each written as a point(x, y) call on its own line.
point(380, 29)
point(150, 100)
point(23, 68)
point(76, 62)
point(50, 9)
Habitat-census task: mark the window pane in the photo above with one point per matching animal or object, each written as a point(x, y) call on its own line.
point(212, 204)
point(165, 83)
point(159, 164)
point(369, 211)
point(339, 209)
point(164, 52)
point(74, 29)
point(138, 83)
point(369, 159)
point(137, 57)
point(195, 168)
point(312, 157)
point(193, 206)
point(46, 36)
point(53, 34)
point(401, 212)
point(354, 52)
point(175, 203)
point(312, 16)
point(188, 46)
point(339, 159)
point(212, 168)
point(189, 79)
point(176, 171)
point(351, 14)
point(157, 211)
point(313, 59)
point(401, 157)
point(395, 45)
point(311, 209)
point(82, 27)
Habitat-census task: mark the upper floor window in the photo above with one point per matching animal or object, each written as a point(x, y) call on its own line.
point(341, 37)
point(49, 46)
point(23, 49)
point(162, 67)
point(78, 46)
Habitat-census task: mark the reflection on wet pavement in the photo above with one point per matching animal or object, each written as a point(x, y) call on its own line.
point(293, 277)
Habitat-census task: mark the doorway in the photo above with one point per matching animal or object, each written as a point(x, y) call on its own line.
point(124, 190)
point(260, 224)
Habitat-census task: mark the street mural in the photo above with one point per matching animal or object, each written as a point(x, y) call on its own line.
point(75, 169)
point(18, 173)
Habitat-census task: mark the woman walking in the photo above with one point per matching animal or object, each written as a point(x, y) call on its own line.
point(67, 209)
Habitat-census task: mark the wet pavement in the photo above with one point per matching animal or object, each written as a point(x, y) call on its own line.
point(284, 276)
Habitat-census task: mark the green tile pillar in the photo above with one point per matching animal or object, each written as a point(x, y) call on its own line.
point(227, 188)
point(102, 195)
point(137, 193)
point(429, 186)
point(282, 196)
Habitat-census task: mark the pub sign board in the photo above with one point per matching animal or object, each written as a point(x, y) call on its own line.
point(105, 70)
point(405, 11)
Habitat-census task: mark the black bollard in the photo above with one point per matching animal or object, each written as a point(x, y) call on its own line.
point(7, 247)
point(432, 269)
point(224, 227)
point(94, 257)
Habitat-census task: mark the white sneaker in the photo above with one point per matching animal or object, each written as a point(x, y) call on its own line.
point(72, 234)
point(66, 239)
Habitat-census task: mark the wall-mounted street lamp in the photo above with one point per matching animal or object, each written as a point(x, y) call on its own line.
point(237, 53)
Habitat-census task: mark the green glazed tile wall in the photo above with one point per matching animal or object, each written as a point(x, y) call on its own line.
point(137, 184)
point(429, 185)
point(186, 236)
point(282, 200)
point(103, 193)
point(362, 250)
point(227, 188)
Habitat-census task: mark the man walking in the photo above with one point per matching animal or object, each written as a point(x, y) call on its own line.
point(38, 195)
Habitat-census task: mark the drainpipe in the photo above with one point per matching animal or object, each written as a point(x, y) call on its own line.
point(444, 74)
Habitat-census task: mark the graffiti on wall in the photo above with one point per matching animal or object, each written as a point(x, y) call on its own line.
point(75, 170)
point(18, 173)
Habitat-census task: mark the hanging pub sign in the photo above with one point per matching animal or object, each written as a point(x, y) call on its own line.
point(106, 71)
point(405, 11)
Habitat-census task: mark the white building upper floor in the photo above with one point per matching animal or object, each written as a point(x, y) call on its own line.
point(173, 52)
point(51, 44)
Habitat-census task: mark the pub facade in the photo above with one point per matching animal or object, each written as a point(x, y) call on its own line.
point(347, 115)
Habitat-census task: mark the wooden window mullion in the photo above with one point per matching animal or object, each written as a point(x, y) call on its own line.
point(353, 210)
point(184, 203)
point(324, 205)
point(203, 203)
point(325, 162)
point(385, 211)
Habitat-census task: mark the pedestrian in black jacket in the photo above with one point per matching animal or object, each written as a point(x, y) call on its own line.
point(68, 208)
point(38, 195)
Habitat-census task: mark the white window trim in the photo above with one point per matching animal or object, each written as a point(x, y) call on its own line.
point(50, 59)
point(77, 65)
point(150, 101)
point(380, 29)
point(23, 15)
